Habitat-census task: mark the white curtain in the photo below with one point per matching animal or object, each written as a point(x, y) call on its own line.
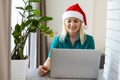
point(5, 14)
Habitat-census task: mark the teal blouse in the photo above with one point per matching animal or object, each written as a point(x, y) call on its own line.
point(66, 44)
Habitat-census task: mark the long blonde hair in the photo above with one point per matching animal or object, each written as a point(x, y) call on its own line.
point(81, 31)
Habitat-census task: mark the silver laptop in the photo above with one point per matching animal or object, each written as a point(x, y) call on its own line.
point(74, 63)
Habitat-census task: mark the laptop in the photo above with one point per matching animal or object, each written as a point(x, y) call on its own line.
point(75, 63)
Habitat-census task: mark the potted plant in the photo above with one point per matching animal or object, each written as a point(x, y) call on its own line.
point(31, 21)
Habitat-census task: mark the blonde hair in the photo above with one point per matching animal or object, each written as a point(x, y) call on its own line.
point(81, 31)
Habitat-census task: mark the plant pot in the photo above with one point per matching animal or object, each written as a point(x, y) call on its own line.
point(19, 69)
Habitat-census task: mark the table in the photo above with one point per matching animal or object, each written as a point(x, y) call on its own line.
point(32, 74)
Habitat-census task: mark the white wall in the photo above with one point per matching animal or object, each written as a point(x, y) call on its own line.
point(99, 31)
point(95, 12)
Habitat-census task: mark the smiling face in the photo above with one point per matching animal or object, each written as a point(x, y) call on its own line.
point(72, 25)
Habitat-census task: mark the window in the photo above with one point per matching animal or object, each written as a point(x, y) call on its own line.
point(30, 47)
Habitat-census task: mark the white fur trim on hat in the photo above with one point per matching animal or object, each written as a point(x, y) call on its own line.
point(75, 14)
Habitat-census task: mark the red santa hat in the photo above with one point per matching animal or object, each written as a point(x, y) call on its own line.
point(75, 11)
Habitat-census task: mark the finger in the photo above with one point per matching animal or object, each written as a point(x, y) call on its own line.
point(45, 68)
point(42, 71)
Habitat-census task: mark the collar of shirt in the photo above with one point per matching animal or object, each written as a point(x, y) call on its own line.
point(77, 41)
point(67, 38)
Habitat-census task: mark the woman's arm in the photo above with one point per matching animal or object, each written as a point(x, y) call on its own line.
point(47, 63)
point(43, 69)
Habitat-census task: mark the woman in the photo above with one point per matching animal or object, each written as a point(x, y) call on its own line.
point(72, 35)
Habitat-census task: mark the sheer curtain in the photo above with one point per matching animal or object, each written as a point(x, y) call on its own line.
point(41, 40)
point(5, 13)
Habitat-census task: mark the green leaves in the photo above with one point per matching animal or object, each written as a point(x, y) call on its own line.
point(21, 8)
point(16, 32)
point(31, 21)
point(34, 0)
point(46, 30)
point(28, 7)
point(45, 18)
point(34, 13)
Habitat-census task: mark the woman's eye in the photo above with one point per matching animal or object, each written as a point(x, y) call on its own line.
point(68, 21)
point(76, 21)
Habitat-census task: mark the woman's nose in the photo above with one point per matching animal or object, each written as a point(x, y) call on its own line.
point(72, 23)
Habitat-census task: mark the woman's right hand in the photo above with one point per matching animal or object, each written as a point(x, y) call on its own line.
point(42, 70)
